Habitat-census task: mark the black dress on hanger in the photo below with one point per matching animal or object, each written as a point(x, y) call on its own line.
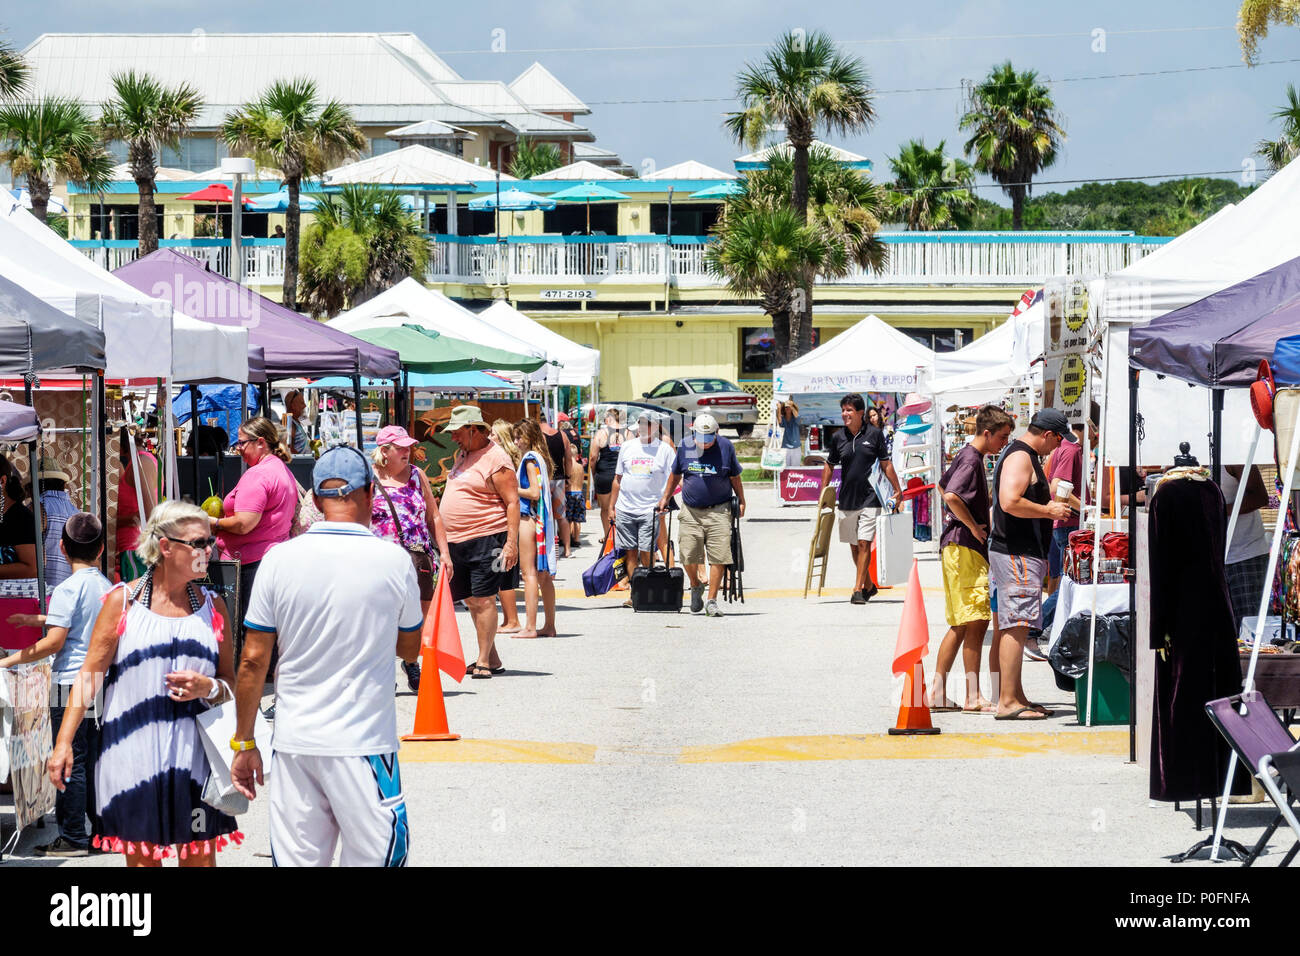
point(1192, 623)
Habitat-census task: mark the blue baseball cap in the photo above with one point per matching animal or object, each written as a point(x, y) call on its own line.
point(346, 464)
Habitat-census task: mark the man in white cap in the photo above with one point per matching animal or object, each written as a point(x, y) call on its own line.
point(480, 510)
point(709, 473)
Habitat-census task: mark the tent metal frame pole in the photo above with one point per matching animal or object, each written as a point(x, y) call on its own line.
point(1132, 537)
point(356, 398)
point(101, 427)
point(194, 430)
point(1216, 434)
point(34, 470)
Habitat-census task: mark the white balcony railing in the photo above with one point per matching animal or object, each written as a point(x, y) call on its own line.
point(949, 258)
point(914, 259)
point(263, 258)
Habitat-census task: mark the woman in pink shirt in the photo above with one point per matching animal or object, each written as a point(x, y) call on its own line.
point(259, 512)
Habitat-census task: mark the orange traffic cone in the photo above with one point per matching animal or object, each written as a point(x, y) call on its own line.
point(914, 713)
point(911, 648)
point(430, 709)
point(440, 649)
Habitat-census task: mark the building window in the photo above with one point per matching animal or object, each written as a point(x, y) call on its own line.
point(382, 144)
point(693, 220)
point(195, 153)
point(758, 350)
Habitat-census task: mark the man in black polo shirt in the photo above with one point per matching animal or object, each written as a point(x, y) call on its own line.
point(856, 450)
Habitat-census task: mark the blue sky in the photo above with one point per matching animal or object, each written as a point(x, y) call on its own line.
point(1184, 122)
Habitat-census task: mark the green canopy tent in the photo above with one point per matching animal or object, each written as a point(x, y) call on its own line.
point(423, 350)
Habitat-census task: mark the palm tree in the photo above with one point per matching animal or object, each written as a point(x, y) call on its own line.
point(148, 116)
point(14, 72)
point(1191, 195)
point(52, 139)
point(1254, 18)
point(930, 190)
point(802, 83)
point(764, 251)
point(288, 128)
point(362, 242)
point(1015, 132)
point(1282, 150)
point(841, 234)
point(532, 159)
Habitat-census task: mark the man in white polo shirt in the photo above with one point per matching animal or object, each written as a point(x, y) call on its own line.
point(334, 600)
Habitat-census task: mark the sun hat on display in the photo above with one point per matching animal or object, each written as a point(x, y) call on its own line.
point(914, 425)
point(914, 404)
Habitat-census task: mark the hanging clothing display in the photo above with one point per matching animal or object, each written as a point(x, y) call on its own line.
point(1193, 636)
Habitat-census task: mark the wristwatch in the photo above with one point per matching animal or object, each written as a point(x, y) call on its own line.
point(238, 745)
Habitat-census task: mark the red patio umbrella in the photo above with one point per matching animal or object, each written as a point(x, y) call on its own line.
point(216, 192)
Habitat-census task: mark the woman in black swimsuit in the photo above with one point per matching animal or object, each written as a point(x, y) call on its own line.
point(605, 445)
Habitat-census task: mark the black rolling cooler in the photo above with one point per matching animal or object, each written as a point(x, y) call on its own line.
point(659, 587)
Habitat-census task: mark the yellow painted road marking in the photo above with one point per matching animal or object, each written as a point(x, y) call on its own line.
point(885, 747)
point(1112, 743)
point(572, 594)
point(495, 751)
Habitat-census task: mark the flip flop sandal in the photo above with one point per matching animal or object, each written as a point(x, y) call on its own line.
point(944, 710)
point(1016, 715)
point(475, 675)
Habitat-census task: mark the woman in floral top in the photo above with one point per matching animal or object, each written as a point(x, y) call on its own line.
point(403, 489)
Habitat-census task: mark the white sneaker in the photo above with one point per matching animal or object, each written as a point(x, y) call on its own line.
point(712, 610)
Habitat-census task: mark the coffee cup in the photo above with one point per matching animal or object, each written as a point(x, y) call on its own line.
point(1064, 489)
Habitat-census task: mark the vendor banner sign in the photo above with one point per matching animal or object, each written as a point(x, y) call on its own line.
point(803, 486)
point(1072, 348)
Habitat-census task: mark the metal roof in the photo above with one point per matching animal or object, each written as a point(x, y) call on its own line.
point(690, 169)
point(429, 129)
point(581, 171)
point(539, 89)
point(411, 165)
point(383, 78)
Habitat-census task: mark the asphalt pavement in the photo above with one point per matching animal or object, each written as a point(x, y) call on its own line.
point(755, 738)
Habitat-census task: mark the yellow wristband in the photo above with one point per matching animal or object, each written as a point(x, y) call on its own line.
point(237, 745)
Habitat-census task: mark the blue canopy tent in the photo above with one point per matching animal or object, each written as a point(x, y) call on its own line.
point(219, 402)
point(452, 382)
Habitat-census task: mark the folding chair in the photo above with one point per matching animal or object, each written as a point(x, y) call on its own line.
point(1263, 744)
point(819, 548)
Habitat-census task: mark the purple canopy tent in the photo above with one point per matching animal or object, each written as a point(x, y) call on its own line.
point(1219, 340)
point(294, 345)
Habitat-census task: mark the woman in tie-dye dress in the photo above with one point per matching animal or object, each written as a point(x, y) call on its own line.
point(163, 647)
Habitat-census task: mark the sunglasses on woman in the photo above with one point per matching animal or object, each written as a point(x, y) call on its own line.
point(198, 544)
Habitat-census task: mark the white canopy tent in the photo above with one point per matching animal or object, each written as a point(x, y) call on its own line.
point(580, 365)
point(872, 356)
point(1233, 245)
point(410, 303)
point(995, 362)
point(144, 336)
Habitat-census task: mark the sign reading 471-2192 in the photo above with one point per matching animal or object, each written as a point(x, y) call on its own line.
point(568, 293)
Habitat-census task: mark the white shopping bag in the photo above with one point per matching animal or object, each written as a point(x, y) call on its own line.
point(216, 727)
point(893, 549)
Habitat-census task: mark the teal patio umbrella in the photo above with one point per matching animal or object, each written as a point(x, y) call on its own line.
point(586, 192)
point(720, 191)
point(512, 200)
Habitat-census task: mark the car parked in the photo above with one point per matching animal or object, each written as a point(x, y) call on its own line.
point(672, 423)
point(724, 400)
